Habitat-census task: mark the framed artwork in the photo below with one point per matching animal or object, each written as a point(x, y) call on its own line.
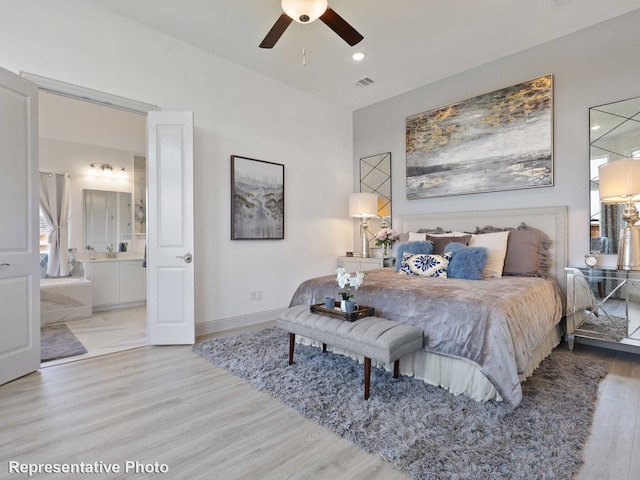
point(501, 140)
point(257, 199)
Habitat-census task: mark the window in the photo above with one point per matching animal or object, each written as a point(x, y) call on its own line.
point(595, 186)
point(45, 230)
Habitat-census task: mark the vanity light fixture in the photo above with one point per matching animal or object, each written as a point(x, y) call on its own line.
point(106, 169)
point(358, 56)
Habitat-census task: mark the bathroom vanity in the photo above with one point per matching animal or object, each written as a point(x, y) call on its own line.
point(117, 282)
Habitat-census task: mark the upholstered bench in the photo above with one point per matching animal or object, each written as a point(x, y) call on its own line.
point(372, 337)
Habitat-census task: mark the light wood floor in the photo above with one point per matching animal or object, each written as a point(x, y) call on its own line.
point(107, 332)
point(169, 405)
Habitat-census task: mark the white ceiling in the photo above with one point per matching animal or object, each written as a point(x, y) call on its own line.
point(408, 43)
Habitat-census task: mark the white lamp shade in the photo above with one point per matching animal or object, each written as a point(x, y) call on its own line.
point(311, 8)
point(619, 180)
point(363, 205)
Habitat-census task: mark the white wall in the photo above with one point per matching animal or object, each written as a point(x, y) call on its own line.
point(236, 112)
point(597, 65)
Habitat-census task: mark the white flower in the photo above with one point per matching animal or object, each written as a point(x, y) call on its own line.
point(356, 281)
point(345, 280)
point(342, 277)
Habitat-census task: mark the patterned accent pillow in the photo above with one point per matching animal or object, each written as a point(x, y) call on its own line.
point(412, 247)
point(425, 265)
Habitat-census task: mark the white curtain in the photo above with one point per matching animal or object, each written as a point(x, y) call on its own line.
point(54, 204)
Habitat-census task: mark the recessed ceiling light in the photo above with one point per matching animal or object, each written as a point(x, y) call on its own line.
point(595, 127)
point(358, 56)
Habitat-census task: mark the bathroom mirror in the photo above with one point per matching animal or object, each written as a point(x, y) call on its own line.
point(614, 134)
point(107, 219)
point(375, 177)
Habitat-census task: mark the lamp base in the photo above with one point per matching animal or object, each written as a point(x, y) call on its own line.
point(629, 249)
point(366, 252)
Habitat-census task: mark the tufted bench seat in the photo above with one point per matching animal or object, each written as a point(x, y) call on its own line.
point(372, 337)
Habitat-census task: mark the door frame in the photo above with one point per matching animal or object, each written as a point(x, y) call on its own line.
point(84, 94)
point(88, 95)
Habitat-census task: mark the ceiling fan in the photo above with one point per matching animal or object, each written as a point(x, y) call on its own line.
point(307, 11)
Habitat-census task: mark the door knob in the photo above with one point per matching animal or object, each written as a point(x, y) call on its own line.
point(187, 257)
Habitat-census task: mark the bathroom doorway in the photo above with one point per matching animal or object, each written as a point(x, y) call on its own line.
point(103, 149)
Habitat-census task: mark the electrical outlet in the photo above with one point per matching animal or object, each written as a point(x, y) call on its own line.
point(259, 295)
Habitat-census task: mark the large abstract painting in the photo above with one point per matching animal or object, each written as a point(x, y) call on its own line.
point(257, 199)
point(501, 140)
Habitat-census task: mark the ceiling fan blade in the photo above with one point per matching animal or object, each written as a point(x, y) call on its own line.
point(276, 31)
point(339, 25)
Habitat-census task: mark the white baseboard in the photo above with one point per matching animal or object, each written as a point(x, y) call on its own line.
point(222, 324)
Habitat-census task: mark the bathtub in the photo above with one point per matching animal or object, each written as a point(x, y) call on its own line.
point(64, 299)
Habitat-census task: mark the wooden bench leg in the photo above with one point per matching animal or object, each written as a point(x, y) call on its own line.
point(367, 377)
point(396, 368)
point(292, 342)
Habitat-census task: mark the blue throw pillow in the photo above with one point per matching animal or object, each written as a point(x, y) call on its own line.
point(425, 248)
point(466, 262)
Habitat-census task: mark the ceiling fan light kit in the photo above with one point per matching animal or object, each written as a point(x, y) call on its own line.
point(306, 11)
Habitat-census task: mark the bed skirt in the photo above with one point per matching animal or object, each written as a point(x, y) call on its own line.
point(458, 376)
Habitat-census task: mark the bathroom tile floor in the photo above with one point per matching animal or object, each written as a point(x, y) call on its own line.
point(107, 332)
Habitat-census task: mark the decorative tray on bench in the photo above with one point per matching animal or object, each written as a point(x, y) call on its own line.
point(361, 312)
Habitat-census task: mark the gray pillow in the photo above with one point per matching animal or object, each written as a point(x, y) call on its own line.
point(527, 251)
point(440, 242)
point(433, 230)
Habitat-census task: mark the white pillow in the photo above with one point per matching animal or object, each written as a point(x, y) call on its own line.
point(417, 237)
point(496, 244)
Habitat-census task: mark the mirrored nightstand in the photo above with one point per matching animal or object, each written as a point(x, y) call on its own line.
point(603, 304)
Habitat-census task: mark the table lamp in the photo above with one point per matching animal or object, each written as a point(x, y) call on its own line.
point(620, 183)
point(364, 206)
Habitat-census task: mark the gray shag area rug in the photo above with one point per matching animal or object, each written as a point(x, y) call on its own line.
point(57, 341)
point(421, 429)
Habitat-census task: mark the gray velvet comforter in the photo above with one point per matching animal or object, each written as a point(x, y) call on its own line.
point(495, 323)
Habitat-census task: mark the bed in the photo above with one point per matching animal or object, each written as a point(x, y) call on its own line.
point(482, 337)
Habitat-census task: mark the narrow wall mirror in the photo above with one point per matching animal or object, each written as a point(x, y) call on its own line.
point(375, 177)
point(614, 134)
point(107, 219)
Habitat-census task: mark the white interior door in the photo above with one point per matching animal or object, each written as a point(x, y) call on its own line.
point(170, 230)
point(19, 228)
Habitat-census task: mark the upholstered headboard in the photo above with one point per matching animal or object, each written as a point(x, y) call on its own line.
point(551, 220)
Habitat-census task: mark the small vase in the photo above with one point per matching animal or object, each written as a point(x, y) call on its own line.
point(343, 305)
point(384, 252)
